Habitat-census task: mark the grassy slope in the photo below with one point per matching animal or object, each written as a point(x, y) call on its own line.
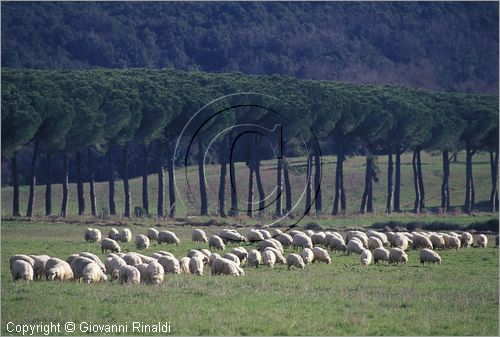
point(354, 179)
point(460, 297)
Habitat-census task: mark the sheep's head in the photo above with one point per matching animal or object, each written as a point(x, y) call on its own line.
point(52, 276)
point(104, 278)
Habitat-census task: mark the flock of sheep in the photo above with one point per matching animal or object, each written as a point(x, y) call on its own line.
point(134, 267)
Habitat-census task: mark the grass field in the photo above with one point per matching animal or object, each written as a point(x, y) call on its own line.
point(459, 297)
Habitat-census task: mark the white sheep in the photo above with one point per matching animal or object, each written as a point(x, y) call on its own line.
point(51, 263)
point(269, 258)
point(335, 243)
point(427, 255)
point(22, 257)
point(92, 273)
point(216, 242)
point(142, 241)
point(132, 259)
point(71, 258)
point(270, 243)
point(374, 242)
point(61, 272)
point(321, 255)
point(168, 237)
point(198, 235)
point(421, 241)
point(307, 255)
point(437, 241)
point(154, 273)
point(380, 254)
point(397, 255)
point(145, 259)
point(231, 236)
point(241, 253)
point(233, 258)
point(78, 265)
point(302, 240)
point(22, 270)
point(466, 240)
point(152, 234)
point(129, 274)
point(280, 259)
point(212, 258)
point(170, 265)
point(196, 265)
point(206, 252)
point(142, 268)
point(354, 246)
point(113, 266)
point(221, 266)
point(308, 232)
point(454, 242)
point(401, 241)
point(114, 234)
point(318, 238)
point(111, 245)
point(94, 258)
point(39, 265)
point(294, 232)
point(125, 235)
point(198, 254)
point(92, 235)
point(265, 233)
point(285, 239)
point(357, 234)
point(184, 265)
point(381, 236)
point(254, 258)
point(365, 257)
point(254, 236)
point(294, 260)
point(482, 241)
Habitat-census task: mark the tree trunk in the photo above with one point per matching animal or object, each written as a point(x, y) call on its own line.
point(317, 182)
point(145, 200)
point(90, 163)
point(420, 181)
point(307, 206)
point(390, 185)
point(250, 190)
point(494, 181)
point(397, 180)
point(79, 184)
point(34, 163)
point(64, 203)
point(201, 177)
point(366, 199)
point(339, 205)
point(288, 187)
point(15, 186)
point(260, 188)
point(416, 183)
point(48, 186)
point(160, 212)
point(469, 183)
point(171, 183)
point(279, 184)
point(126, 188)
point(111, 182)
point(234, 193)
point(222, 179)
point(445, 189)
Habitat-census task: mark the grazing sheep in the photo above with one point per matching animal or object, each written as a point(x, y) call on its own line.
point(221, 266)
point(231, 236)
point(381, 236)
point(265, 233)
point(321, 255)
point(71, 258)
point(241, 253)
point(285, 239)
point(294, 260)
point(22, 257)
point(365, 257)
point(357, 234)
point(152, 234)
point(168, 237)
point(156, 256)
point(427, 255)
point(92, 273)
point(39, 265)
point(114, 265)
point(145, 259)
point(125, 235)
point(421, 241)
point(280, 259)
point(206, 252)
point(22, 270)
point(111, 245)
point(212, 258)
point(198, 235)
point(401, 241)
point(275, 232)
point(397, 255)
point(61, 272)
point(318, 238)
point(132, 259)
point(170, 265)
point(129, 274)
point(466, 240)
point(113, 234)
point(380, 254)
point(94, 258)
point(184, 265)
point(453, 242)
point(308, 232)
point(142, 241)
point(437, 241)
point(154, 273)
point(216, 242)
point(196, 265)
point(233, 258)
point(198, 254)
point(269, 258)
point(92, 235)
point(294, 232)
point(254, 236)
point(51, 263)
point(303, 241)
point(335, 243)
point(254, 258)
point(78, 265)
point(307, 255)
point(390, 238)
point(270, 243)
point(374, 242)
point(482, 241)
point(354, 246)
point(142, 270)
